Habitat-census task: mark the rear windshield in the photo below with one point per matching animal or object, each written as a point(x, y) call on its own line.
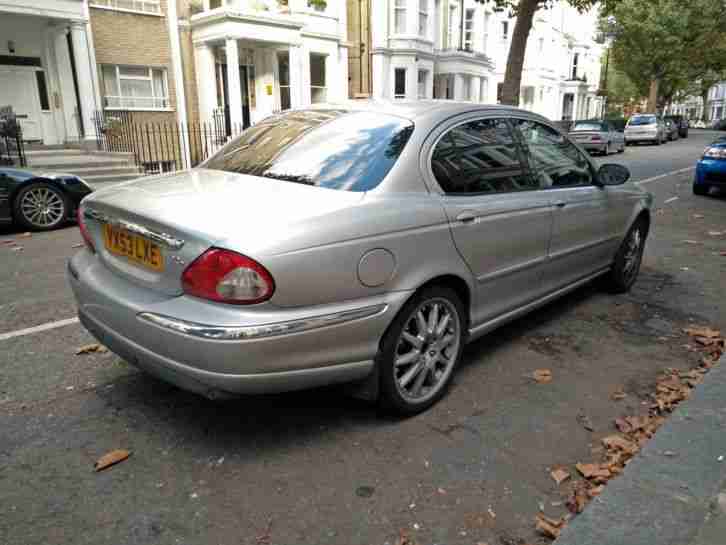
point(589, 126)
point(642, 120)
point(337, 149)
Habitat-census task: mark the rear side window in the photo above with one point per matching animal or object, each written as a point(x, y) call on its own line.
point(642, 120)
point(590, 126)
point(336, 149)
point(480, 157)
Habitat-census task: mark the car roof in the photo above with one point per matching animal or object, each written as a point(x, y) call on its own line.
point(415, 109)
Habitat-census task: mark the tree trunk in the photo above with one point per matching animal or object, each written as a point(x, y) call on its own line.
point(515, 60)
point(653, 96)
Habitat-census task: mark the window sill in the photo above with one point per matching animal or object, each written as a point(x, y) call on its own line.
point(125, 10)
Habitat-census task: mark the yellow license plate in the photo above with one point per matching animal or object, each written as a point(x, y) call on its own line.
point(136, 248)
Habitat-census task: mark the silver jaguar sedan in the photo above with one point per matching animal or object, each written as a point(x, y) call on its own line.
point(363, 243)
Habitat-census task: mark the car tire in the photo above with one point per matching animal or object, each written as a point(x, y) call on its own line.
point(700, 189)
point(416, 367)
point(40, 207)
point(626, 265)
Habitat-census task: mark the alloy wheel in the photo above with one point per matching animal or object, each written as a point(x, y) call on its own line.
point(42, 207)
point(632, 255)
point(427, 350)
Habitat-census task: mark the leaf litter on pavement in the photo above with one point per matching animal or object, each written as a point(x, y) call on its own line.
point(91, 348)
point(542, 376)
point(672, 387)
point(111, 458)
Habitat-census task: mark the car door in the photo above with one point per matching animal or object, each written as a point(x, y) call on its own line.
point(500, 219)
point(583, 236)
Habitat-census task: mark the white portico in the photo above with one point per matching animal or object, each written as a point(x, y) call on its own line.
point(255, 57)
point(47, 69)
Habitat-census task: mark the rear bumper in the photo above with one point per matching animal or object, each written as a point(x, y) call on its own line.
point(594, 146)
point(711, 172)
point(636, 139)
point(217, 350)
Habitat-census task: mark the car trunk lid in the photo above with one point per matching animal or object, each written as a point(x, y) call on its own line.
point(183, 214)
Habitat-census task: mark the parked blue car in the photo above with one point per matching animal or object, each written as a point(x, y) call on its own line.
point(711, 169)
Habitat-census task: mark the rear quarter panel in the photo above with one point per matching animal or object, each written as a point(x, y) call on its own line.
point(412, 227)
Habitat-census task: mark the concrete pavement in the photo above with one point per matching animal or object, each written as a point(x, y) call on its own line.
point(674, 491)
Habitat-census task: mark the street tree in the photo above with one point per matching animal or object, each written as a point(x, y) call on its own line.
point(525, 10)
point(659, 44)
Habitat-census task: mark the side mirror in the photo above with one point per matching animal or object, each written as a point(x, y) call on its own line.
point(613, 174)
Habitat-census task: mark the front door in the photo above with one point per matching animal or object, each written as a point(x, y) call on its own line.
point(18, 89)
point(583, 241)
point(500, 218)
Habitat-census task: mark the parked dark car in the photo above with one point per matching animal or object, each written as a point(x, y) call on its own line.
point(39, 201)
point(719, 125)
point(671, 130)
point(681, 122)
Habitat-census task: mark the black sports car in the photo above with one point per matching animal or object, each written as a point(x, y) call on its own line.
point(39, 200)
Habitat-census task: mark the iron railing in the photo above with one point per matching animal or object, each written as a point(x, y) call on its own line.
point(12, 150)
point(162, 147)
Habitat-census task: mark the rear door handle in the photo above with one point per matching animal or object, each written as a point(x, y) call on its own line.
point(560, 204)
point(466, 217)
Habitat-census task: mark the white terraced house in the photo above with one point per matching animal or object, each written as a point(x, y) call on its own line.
point(457, 49)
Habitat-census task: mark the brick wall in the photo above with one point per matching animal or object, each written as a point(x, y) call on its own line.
point(135, 39)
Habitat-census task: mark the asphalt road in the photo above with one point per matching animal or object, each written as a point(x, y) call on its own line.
point(319, 467)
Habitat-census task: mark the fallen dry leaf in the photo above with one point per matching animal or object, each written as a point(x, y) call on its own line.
point(616, 442)
point(618, 395)
point(8, 241)
point(716, 233)
point(595, 491)
point(698, 216)
point(722, 253)
point(25, 235)
point(17, 249)
point(560, 475)
point(542, 375)
point(548, 527)
point(91, 348)
point(79, 245)
point(702, 331)
point(692, 242)
point(593, 471)
point(111, 458)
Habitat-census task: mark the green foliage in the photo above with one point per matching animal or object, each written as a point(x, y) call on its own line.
point(672, 42)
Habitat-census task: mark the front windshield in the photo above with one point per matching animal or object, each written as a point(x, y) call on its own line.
point(336, 149)
point(589, 126)
point(642, 120)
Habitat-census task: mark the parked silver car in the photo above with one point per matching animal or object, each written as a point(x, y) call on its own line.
point(645, 128)
point(598, 136)
point(356, 242)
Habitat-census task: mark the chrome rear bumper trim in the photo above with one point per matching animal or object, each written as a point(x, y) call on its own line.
point(241, 333)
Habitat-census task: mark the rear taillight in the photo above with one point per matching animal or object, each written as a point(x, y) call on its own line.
point(84, 231)
point(228, 277)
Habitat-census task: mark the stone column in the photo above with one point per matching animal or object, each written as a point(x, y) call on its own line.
point(459, 87)
point(296, 64)
point(234, 86)
point(206, 81)
point(85, 73)
point(474, 88)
